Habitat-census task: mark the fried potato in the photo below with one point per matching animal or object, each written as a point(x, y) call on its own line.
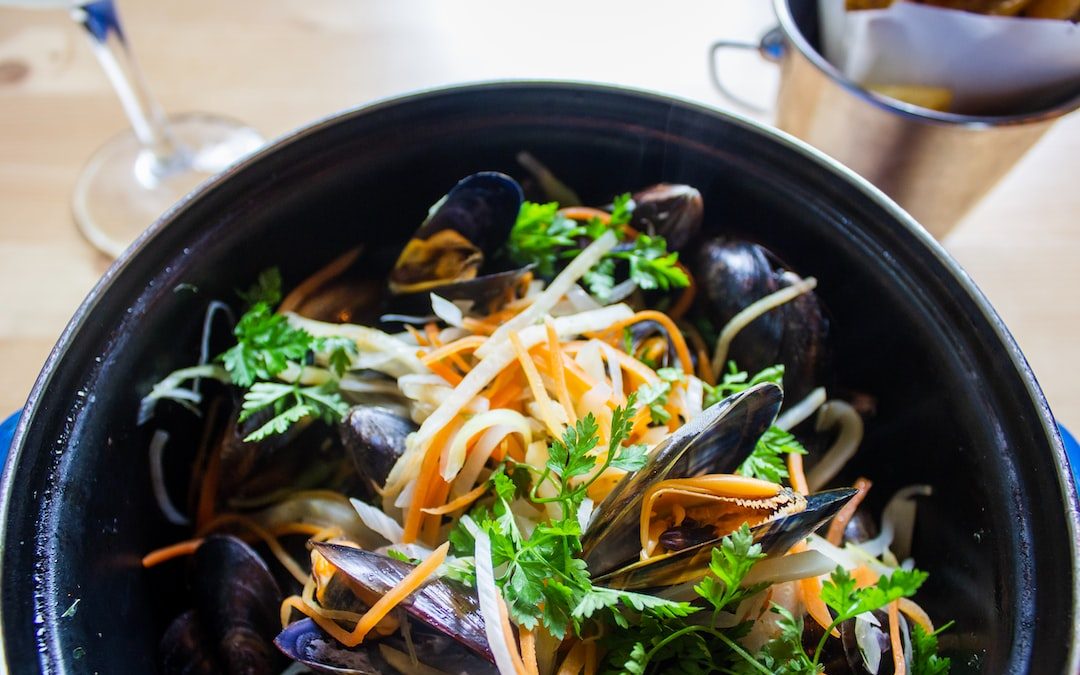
point(1053, 9)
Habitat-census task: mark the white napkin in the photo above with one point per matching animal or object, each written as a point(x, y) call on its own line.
point(992, 64)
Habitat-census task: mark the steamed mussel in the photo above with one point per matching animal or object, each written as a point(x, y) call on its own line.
point(500, 473)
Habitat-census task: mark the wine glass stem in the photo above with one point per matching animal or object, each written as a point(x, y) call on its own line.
point(102, 25)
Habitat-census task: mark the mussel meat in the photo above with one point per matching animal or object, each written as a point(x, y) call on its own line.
point(732, 274)
point(716, 441)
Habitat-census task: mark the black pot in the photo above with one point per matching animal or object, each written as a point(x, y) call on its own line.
point(958, 406)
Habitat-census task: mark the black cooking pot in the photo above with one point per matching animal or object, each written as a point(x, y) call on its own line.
point(957, 405)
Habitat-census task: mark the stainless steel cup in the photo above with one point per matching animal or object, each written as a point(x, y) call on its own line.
point(936, 165)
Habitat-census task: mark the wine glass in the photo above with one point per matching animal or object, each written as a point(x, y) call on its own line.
point(137, 175)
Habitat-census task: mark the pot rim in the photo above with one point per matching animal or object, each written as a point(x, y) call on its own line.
point(56, 359)
point(793, 36)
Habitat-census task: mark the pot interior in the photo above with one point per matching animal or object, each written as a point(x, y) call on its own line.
point(956, 406)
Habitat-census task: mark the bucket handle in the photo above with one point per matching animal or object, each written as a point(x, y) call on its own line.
point(770, 48)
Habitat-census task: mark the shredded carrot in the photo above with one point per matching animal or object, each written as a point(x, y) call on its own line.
point(208, 496)
point(916, 614)
point(836, 528)
point(574, 661)
point(477, 326)
point(391, 599)
point(528, 650)
point(641, 372)
point(436, 496)
point(202, 457)
point(673, 332)
point(508, 636)
point(558, 373)
point(682, 305)
point(701, 350)
point(461, 502)
point(169, 552)
point(417, 335)
point(864, 576)
point(899, 664)
point(312, 283)
point(532, 375)
point(432, 332)
point(445, 372)
point(469, 342)
point(586, 213)
point(795, 471)
point(309, 529)
point(510, 392)
point(429, 470)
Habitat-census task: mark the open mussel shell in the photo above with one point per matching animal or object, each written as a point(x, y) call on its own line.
point(464, 228)
point(306, 643)
point(444, 605)
point(776, 537)
point(716, 441)
point(732, 274)
point(186, 649)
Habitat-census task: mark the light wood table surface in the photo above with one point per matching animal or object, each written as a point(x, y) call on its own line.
point(278, 64)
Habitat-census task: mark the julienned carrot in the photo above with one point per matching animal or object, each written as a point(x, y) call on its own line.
point(916, 614)
point(169, 552)
point(810, 589)
point(391, 599)
point(528, 651)
point(638, 370)
point(469, 342)
point(702, 352)
point(899, 664)
point(835, 533)
point(270, 540)
point(508, 635)
point(429, 470)
point(557, 372)
point(532, 375)
point(445, 372)
point(477, 326)
point(421, 340)
point(795, 471)
point(307, 288)
point(432, 332)
point(590, 658)
point(437, 494)
point(461, 502)
point(674, 334)
point(574, 661)
point(586, 213)
point(686, 298)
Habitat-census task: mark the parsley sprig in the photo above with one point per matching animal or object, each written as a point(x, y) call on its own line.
point(543, 580)
point(544, 237)
point(266, 344)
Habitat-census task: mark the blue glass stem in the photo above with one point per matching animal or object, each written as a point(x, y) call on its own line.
point(110, 46)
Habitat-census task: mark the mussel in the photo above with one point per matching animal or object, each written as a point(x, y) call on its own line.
point(716, 441)
point(677, 508)
point(442, 604)
point(374, 439)
point(235, 616)
point(460, 237)
point(732, 274)
point(672, 211)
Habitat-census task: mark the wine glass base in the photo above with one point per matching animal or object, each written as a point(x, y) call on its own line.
point(124, 188)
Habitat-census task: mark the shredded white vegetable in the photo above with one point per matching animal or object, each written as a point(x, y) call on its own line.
point(800, 565)
point(447, 311)
point(558, 287)
point(753, 311)
point(897, 522)
point(378, 521)
point(832, 414)
point(453, 458)
point(170, 388)
point(796, 414)
point(157, 480)
point(489, 597)
point(869, 637)
point(394, 357)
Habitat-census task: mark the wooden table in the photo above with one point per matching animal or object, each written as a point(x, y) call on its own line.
point(278, 64)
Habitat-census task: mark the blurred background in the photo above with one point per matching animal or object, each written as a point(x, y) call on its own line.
point(278, 64)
